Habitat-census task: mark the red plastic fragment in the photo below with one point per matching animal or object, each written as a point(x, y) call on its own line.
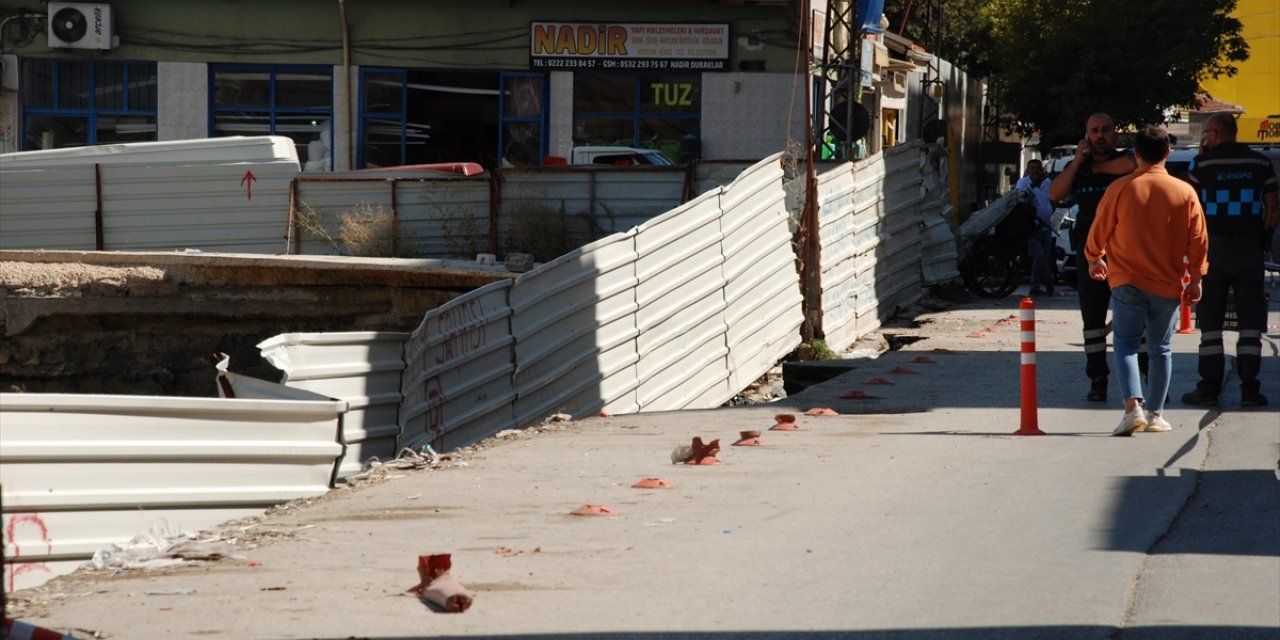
point(438, 587)
point(821, 411)
point(785, 422)
point(595, 510)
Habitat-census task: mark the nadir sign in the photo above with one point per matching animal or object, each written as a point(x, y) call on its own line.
point(247, 182)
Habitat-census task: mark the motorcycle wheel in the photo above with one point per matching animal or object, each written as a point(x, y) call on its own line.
point(992, 276)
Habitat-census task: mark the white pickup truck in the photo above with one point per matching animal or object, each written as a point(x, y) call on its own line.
point(619, 156)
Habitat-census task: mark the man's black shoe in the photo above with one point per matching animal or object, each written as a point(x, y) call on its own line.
point(1253, 400)
point(1097, 390)
point(1200, 398)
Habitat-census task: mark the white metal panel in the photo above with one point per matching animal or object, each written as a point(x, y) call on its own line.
point(762, 289)
point(172, 195)
point(575, 329)
point(80, 471)
point(31, 218)
point(208, 207)
point(363, 368)
point(443, 216)
point(939, 254)
point(224, 150)
point(598, 200)
point(682, 343)
point(457, 386)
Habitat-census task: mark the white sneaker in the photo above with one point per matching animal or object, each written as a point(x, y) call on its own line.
point(1156, 422)
point(1132, 421)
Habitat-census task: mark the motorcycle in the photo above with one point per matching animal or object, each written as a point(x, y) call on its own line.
point(993, 247)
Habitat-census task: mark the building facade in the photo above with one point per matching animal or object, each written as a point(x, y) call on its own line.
point(393, 82)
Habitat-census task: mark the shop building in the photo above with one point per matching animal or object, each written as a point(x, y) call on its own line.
point(367, 83)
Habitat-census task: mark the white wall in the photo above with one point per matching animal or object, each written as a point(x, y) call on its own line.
point(751, 115)
point(9, 104)
point(560, 109)
point(182, 95)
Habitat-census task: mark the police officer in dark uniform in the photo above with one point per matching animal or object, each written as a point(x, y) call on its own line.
point(1237, 188)
point(1096, 164)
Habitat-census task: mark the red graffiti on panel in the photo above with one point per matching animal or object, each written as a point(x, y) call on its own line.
point(19, 524)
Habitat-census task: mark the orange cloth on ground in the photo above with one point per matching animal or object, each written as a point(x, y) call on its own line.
point(1146, 222)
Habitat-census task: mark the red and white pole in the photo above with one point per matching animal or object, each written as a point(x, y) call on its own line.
point(1027, 314)
point(1184, 309)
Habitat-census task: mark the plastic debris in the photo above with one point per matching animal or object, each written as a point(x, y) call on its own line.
point(821, 411)
point(749, 438)
point(438, 587)
point(785, 422)
point(595, 510)
point(700, 453)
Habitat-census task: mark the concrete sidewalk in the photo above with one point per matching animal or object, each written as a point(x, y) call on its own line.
point(913, 514)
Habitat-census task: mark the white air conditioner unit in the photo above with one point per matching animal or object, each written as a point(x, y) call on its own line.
point(80, 26)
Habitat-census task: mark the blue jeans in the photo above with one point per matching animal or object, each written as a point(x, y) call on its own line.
point(1040, 250)
point(1135, 313)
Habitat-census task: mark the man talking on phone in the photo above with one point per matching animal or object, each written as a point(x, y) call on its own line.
point(1096, 165)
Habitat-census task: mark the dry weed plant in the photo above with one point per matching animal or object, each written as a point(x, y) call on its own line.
point(365, 231)
point(547, 233)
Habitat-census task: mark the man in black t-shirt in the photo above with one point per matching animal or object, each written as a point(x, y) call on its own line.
point(1237, 188)
point(1096, 164)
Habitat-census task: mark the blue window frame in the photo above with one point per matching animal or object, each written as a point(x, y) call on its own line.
point(384, 118)
point(74, 103)
point(657, 111)
point(295, 101)
point(522, 109)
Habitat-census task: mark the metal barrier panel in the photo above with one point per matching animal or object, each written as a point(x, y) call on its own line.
point(574, 323)
point(433, 217)
point(444, 218)
point(83, 472)
point(848, 225)
point(590, 201)
point(682, 342)
point(938, 254)
point(764, 308)
point(364, 369)
point(207, 207)
point(458, 382)
point(33, 218)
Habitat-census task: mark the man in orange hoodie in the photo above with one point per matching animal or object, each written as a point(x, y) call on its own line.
point(1147, 223)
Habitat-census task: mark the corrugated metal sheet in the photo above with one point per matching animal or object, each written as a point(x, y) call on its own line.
point(682, 344)
point(206, 207)
point(437, 216)
point(870, 224)
point(574, 324)
point(362, 368)
point(938, 254)
point(154, 195)
point(457, 387)
point(200, 151)
point(82, 472)
point(762, 289)
point(602, 200)
point(31, 219)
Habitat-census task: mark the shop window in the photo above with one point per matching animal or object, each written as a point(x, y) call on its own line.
point(74, 103)
point(415, 116)
point(291, 101)
point(661, 112)
point(523, 100)
point(889, 127)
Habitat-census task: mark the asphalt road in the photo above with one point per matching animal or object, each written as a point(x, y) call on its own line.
point(914, 514)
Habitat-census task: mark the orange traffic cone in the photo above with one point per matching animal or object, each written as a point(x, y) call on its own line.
point(1184, 318)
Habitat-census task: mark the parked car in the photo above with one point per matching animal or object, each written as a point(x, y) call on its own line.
point(620, 156)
